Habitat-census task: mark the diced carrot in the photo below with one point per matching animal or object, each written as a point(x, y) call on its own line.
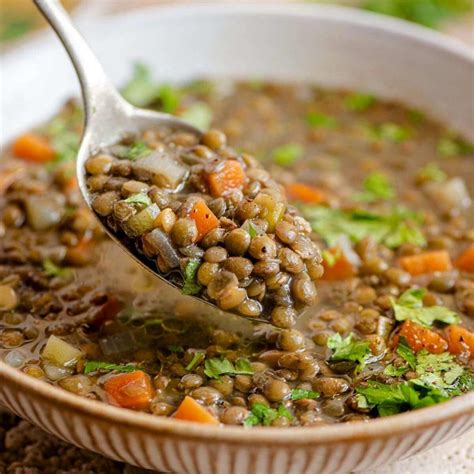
point(465, 261)
point(426, 262)
point(81, 254)
point(230, 176)
point(341, 269)
point(460, 340)
point(34, 148)
point(305, 193)
point(71, 184)
point(131, 390)
point(191, 410)
point(419, 338)
point(204, 218)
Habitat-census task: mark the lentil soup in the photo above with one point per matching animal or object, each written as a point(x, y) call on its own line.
point(387, 193)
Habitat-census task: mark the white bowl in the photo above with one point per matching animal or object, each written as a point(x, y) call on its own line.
point(330, 46)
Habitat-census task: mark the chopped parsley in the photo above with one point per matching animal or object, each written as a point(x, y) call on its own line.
point(438, 378)
point(410, 307)
point(191, 285)
point(198, 357)
point(429, 13)
point(393, 132)
point(140, 198)
point(94, 365)
point(216, 367)
point(288, 154)
point(176, 349)
point(320, 120)
point(431, 172)
point(301, 394)
point(260, 414)
point(53, 270)
point(143, 91)
point(199, 115)
point(450, 146)
point(252, 230)
point(137, 150)
point(376, 187)
point(394, 229)
point(359, 102)
point(347, 349)
point(331, 256)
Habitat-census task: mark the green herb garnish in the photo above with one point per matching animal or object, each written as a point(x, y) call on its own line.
point(262, 415)
point(141, 90)
point(359, 102)
point(376, 187)
point(53, 270)
point(137, 150)
point(198, 357)
point(429, 13)
point(330, 257)
point(410, 307)
point(288, 154)
point(439, 378)
point(216, 367)
point(191, 285)
point(176, 349)
point(347, 349)
point(450, 146)
point(320, 120)
point(393, 132)
point(393, 230)
point(140, 198)
point(94, 365)
point(431, 172)
point(301, 393)
point(199, 115)
point(405, 352)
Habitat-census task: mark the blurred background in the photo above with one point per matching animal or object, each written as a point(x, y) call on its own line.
point(18, 18)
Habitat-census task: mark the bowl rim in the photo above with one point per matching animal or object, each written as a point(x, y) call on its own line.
point(295, 436)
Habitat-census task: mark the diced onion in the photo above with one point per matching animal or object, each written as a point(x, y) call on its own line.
point(60, 352)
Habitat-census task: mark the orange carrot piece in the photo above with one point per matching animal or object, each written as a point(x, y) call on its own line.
point(305, 193)
point(230, 176)
point(465, 261)
point(81, 254)
point(34, 148)
point(419, 338)
point(426, 262)
point(131, 390)
point(460, 340)
point(191, 410)
point(204, 218)
point(342, 269)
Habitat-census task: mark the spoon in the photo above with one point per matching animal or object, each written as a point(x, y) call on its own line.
point(108, 116)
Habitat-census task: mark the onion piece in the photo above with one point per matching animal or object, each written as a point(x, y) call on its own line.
point(142, 222)
point(61, 353)
point(159, 243)
point(162, 169)
point(44, 212)
point(449, 196)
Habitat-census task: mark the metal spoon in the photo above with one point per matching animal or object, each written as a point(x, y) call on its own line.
point(108, 116)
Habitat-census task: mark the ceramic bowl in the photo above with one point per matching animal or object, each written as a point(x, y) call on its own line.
point(334, 47)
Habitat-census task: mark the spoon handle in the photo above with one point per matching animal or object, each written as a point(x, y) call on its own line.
point(97, 91)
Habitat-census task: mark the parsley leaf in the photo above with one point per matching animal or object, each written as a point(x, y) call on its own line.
point(429, 13)
point(94, 365)
point(176, 349)
point(53, 270)
point(199, 114)
point(410, 307)
point(288, 154)
point(393, 132)
point(431, 172)
point(376, 187)
point(140, 198)
point(449, 146)
point(137, 150)
point(260, 414)
point(301, 393)
point(320, 120)
point(331, 256)
point(191, 285)
point(198, 357)
point(347, 349)
point(401, 226)
point(141, 90)
point(405, 352)
point(359, 102)
point(170, 98)
point(393, 371)
point(216, 367)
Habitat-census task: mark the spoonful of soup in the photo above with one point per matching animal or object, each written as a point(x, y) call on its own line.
point(205, 218)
